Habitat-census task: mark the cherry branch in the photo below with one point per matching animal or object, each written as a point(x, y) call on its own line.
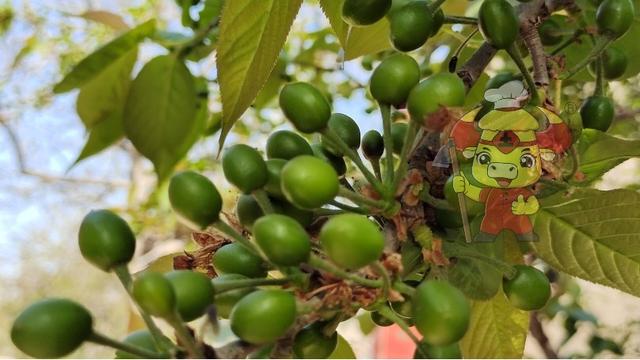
point(48, 178)
point(529, 14)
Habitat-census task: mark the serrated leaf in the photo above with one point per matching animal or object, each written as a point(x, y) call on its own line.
point(598, 153)
point(107, 18)
point(270, 89)
point(96, 62)
point(475, 272)
point(476, 279)
point(593, 235)
point(496, 330)
point(362, 40)
point(209, 12)
point(100, 105)
point(251, 36)
point(160, 113)
point(107, 92)
point(102, 135)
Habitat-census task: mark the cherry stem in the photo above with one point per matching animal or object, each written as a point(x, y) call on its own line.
point(404, 288)
point(427, 198)
point(598, 49)
point(326, 266)
point(263, 200)
point(385, 110)
point(360, 199)
point(185, 337)
point(98, 338)
point(575, 163)
point(349, 208)
point(245, 283)
point(337, 141)
point(599, 90)
point(162, 342)
point(436, 5)
point(197, 38)
point(384, 274)
point(328, 212)
point(513, 51)
point(454, 59)
point(409, 139)
point(451, 19)
point(576, 35)
point(391, 315)
point(375, 164)
point(235, 235)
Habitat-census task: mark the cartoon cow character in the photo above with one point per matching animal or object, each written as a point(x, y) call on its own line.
point(507, 147)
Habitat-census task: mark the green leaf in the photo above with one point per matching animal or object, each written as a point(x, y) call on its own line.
point(496, 330)
point(593, 235)
point(28, 47)
point(476, 279)
point(248, 49)
point(97, 61)
point(366, 323)
point(106, 93)
point(362, 40)
point(271, 88)
point(476, 93)
point(102, 135)
point(209, 12)
point(101, 102)
point(160, 113)
point(599, 153)
point(343, 350)
point(106, 18)
point(476, 272)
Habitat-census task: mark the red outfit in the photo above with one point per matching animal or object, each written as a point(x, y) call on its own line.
point(498, 214)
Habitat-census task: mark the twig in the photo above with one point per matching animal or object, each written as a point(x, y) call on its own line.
point(528, 13)
point(334, 270)
point(535, 327)
point(48, 178)
point(474, 67)
point(451, 19)
point(529, 32)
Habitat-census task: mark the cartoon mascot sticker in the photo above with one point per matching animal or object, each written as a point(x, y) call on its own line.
point(507, 145)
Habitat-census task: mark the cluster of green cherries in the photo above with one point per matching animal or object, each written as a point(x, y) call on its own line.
point(613, 19)
point(259, 277)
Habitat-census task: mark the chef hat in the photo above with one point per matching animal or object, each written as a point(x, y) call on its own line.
point(508, 95)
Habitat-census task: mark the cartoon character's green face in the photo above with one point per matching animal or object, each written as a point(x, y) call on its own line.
point(519, 168)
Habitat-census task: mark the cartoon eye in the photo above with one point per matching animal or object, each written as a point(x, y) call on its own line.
point(484, 158)
point(527, 161)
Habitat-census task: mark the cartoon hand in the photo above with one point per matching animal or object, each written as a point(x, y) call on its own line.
point(459, 183)
point(522, 207)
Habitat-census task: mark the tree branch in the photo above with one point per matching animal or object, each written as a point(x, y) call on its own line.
point(529, 33)
point(474, 67)
point(529, 14)
point(535, 327)
point(22, 167)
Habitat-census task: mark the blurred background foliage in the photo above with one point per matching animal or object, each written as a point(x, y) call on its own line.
point(44, 194)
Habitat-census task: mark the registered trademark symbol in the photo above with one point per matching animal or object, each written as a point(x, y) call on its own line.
point(570, 107)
